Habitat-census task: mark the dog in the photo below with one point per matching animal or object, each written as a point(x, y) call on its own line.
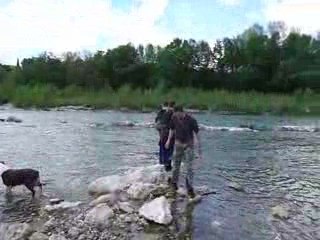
point(27, 177)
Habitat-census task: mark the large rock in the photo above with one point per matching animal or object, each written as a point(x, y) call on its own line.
point(139, 190)
point(99, 215)
point(158, 210)
point(16, 231)
point(150, 174)
point(107, 184)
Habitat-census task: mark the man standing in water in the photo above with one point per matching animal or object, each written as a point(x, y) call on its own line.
point(163, 119)
point(184, 128)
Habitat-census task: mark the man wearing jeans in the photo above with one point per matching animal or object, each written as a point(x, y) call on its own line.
point(185, 130)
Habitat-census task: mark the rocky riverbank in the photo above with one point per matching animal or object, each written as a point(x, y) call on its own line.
point(136, 205)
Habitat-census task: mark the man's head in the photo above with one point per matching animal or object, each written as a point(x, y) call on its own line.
point(171, 105)
point(165, 106)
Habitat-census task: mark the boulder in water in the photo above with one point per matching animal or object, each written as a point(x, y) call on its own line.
point(107, 184)
point(16, 231)
point(125, 207)
point(158, 210)
point(280, 212)
point(14, 119)
point(99, 215)
point(151, 174)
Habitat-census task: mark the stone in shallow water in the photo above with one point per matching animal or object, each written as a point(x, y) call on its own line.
point(158, 210)
point(280, 212)
point(236, 186)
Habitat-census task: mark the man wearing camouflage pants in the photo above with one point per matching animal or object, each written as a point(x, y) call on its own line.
point(185, 129)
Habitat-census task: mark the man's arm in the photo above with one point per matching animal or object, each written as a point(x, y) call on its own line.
point(171, 131)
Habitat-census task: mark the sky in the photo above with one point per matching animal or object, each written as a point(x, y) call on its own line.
point(29, 27)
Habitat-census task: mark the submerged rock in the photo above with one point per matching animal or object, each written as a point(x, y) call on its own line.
point(99, 215)
point(158, 210)
point(236, 186)
point(280, 212)
point(14, 119)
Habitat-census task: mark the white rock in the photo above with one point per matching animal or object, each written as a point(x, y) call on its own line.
point(107, 184)
point(16, 231)
point(63, 205)
point(150, 174)
point(236, 186)
point(280, 211)
point(38, 236)
point(140, 190)
point(57, 237)
point(182, 191)
point(110, 199)
point(126, 207)
point(99, 215)
point(158, 210)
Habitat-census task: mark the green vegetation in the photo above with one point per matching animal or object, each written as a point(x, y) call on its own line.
point(137, 99)
point(258, 71)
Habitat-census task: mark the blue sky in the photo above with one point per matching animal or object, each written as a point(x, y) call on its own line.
point(29, 27)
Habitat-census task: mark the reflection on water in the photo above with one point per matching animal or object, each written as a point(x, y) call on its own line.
point(274, 166)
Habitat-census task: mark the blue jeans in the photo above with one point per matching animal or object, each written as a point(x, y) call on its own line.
point(165, 155)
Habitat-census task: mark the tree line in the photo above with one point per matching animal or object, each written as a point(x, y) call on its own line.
point(261, 59)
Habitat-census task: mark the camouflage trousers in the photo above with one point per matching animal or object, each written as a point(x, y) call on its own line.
point(185, 154)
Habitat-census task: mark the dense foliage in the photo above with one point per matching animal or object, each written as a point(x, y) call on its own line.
point(258, 59)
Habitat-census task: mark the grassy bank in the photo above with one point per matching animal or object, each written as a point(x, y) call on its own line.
point(218, 100)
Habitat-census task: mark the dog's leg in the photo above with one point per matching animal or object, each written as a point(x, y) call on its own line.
point(31, 188)
point(9, 189)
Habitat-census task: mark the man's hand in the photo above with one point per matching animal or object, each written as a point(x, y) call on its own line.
point(167, 145)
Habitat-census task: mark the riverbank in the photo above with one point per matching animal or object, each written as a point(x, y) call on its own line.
point(126, 98)
point(136, 205)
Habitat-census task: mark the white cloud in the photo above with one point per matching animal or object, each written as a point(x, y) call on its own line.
point(31, 26)
point(230, 2)
point(302, 14)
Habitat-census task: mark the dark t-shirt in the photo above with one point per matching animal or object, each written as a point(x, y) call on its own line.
point(184, 126)
point(163, 120)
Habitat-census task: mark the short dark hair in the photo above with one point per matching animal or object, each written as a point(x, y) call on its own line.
point(165, 104)
point(178, 108)
point(171, 104)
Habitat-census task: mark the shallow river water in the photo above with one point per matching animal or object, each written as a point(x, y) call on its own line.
point(276, 164)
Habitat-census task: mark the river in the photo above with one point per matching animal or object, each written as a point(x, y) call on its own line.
point(276, 164)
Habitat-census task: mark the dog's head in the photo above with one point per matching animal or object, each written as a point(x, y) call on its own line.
point(2, 162)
